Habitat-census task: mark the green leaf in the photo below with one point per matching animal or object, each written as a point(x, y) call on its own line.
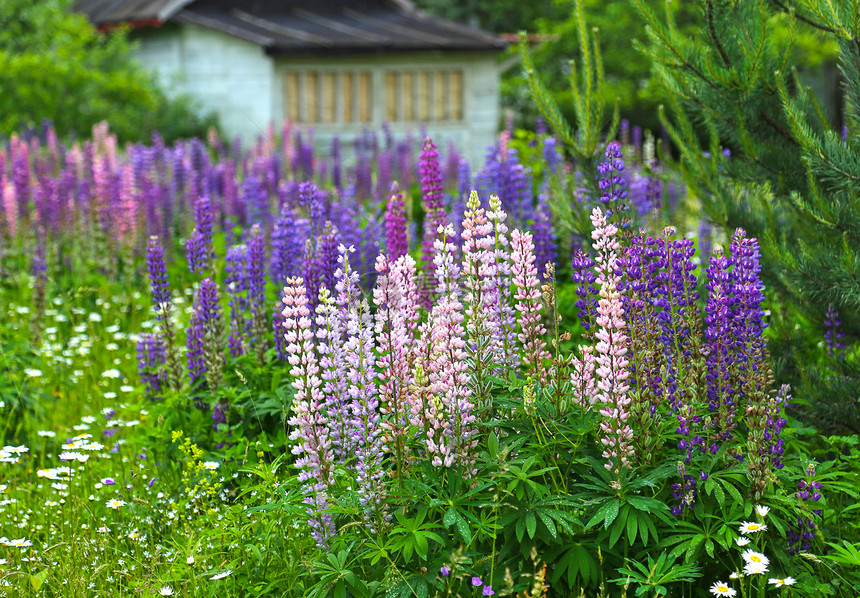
point(531, 523)
point(632, 528)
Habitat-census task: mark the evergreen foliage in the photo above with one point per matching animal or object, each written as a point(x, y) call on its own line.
point(793, 179)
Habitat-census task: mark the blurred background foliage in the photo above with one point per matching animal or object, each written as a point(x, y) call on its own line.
point(56, 66)
point(628, 77)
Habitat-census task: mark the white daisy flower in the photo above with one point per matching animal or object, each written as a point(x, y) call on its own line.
point(750, 527)
point(754, 569)
point(221, 575)
point(19, 543)
point(115, 504)
point(743, 541)
point(46, 433)
point(190, 559)
point(210, 465)
point(165, 591)
point(788, 581)
point(722, 589)
point(16, 450)
point(762, 510)
point(735, 575)
point(33, 373)
point(751, 556)
point(113, 373)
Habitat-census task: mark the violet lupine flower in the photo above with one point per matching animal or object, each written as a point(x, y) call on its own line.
point(801, 534)
point(256, 269)
point(774, 446)
point(236, 281)
point(833, 334)
point(434, 216)
point(311, 197)
point(255, 200)
point(205, 333)
point(395, 224)
point(310, 433)
point(718, 342)
point(287, 247)
point(361, 378)
point(551, 154)
point(528, 303)
point(321, 262)
point(151, 356)
point(611, 348)
point(610, 180)
point(684, 492)
point(582, 271)
point(748, 316)
point(545, 240)
point(197, 252)
point(157, 271)
point(330, 346)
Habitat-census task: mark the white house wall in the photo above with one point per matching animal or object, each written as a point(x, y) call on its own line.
point(471, 136)
point(246, 87)
point(227, 75)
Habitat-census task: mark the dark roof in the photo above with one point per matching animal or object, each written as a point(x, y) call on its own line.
point(304, 26)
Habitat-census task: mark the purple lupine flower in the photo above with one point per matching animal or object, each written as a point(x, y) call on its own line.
point(256, 269)
point(551, 154)
point(395, 224)
point(151, 356)
point(157, 271)
point(582, 270)
point(359, 356)
point(236, 281)
point(684, 492)
point(545, 240)
point(320, 262)
point(801, 534)
point(197, 252)
point(434, 217)
point(774, 446)
point(204, 334)
point(311, 197)
point(255, 200)
point(336, 161)
point(748, 316)
point(287, 247)
point(833, 334)
point(718, 341)
point(610, 180)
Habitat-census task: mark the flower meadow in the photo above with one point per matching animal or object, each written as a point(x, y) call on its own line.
point(380, 370)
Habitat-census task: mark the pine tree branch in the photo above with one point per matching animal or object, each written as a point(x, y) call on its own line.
point(799, 17)
point(709, 16)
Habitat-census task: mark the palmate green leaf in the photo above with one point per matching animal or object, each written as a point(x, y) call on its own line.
point(607, 513)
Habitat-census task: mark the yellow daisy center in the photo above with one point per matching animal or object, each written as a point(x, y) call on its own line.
point(753, 526)
point(755, 558)
point(722, 588)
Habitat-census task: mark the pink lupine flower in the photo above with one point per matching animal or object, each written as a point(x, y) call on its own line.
point(396, 299)
point(611, 348)
point(450, 386)
point(582, 377)
point(310, 431)
point(528, 298)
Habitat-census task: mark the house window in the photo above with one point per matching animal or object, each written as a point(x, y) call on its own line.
point(328, 97)
point(424, 96)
